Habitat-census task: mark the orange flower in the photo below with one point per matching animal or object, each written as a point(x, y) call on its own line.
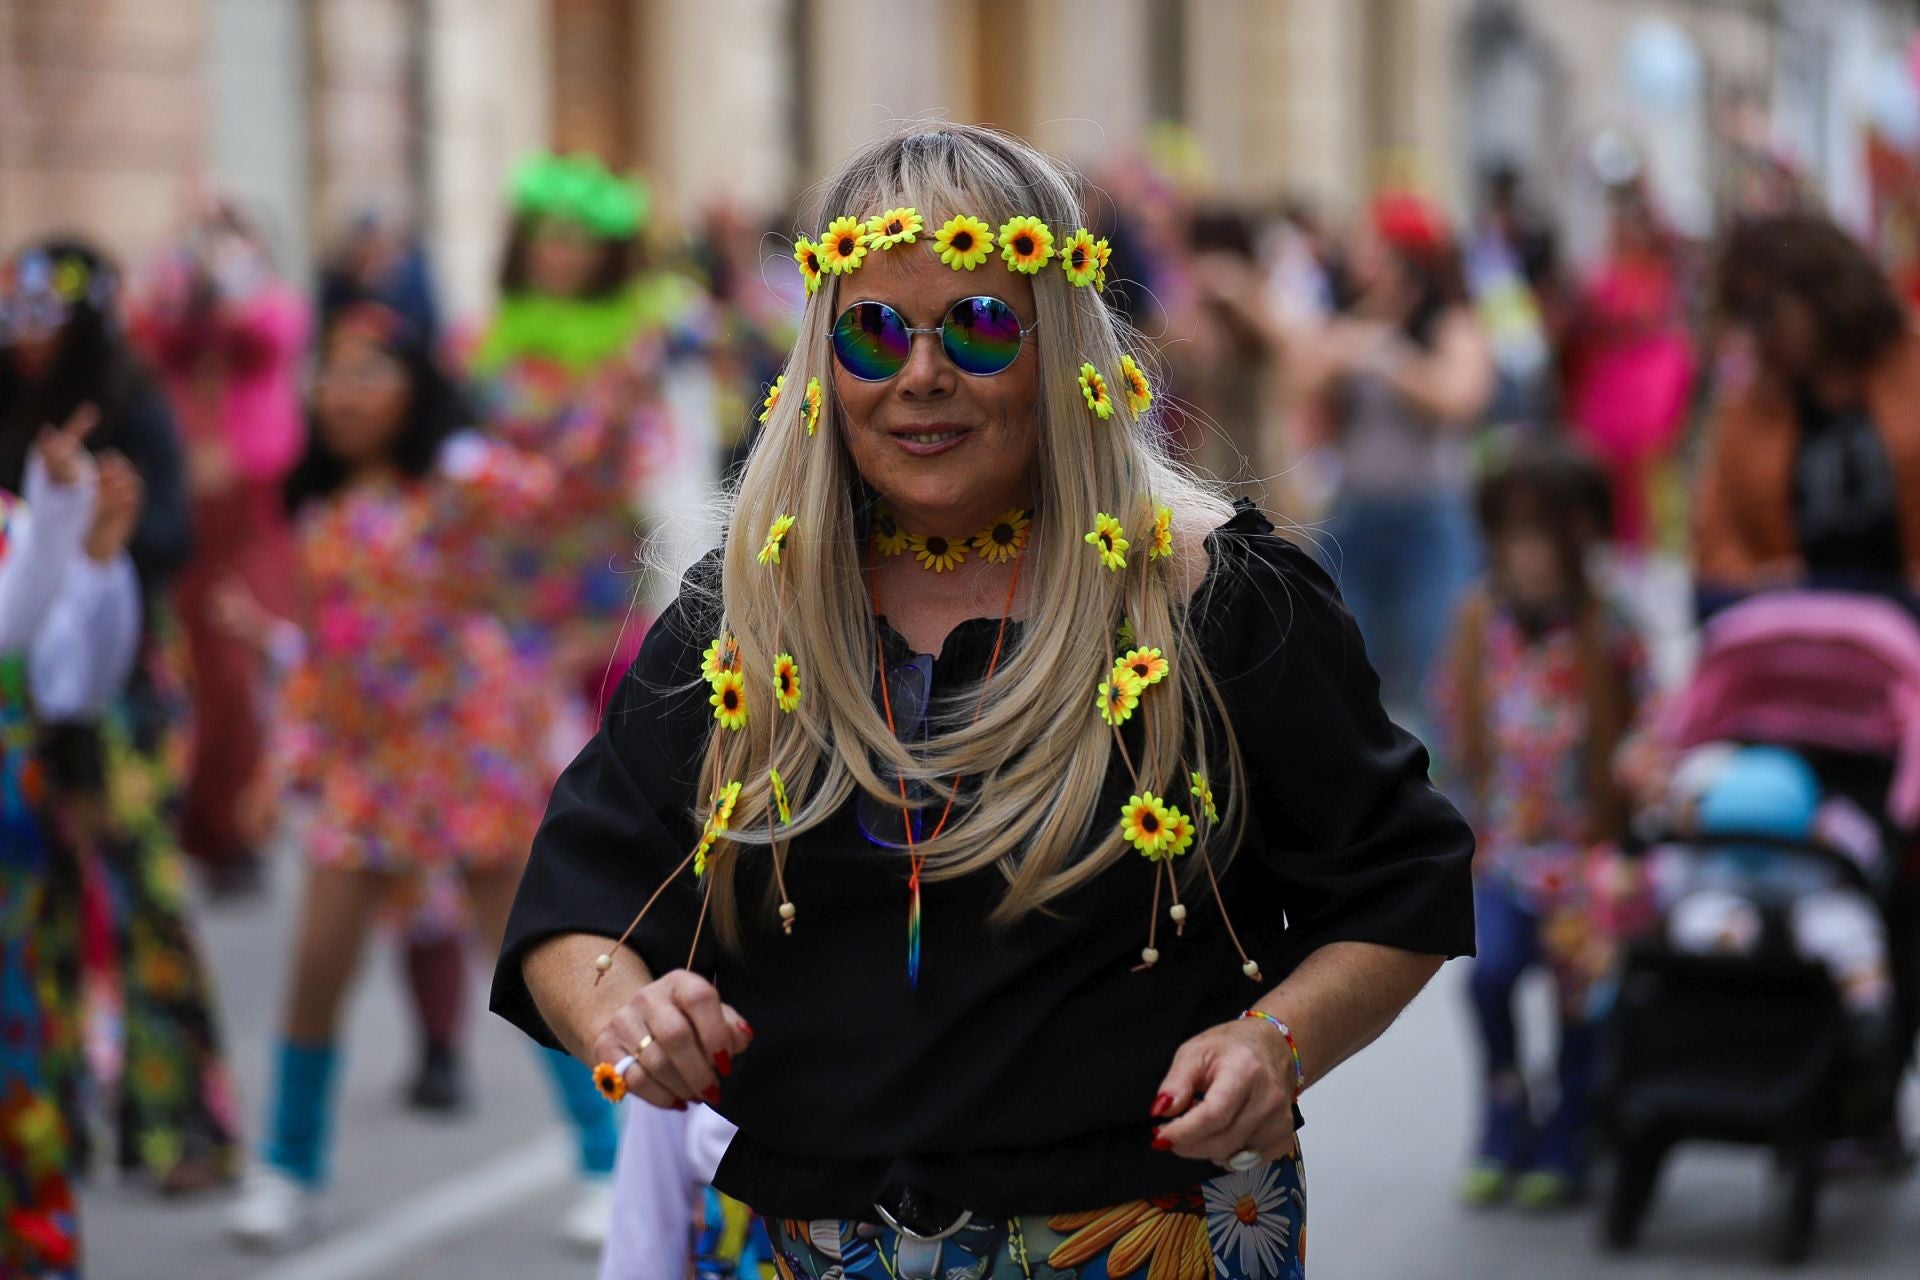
point(1026, 244)
point(807, 254)
point(1148, 666)
point(1165, 1236)
point(1080, 259)
point(609, 1082)
point(844, 245)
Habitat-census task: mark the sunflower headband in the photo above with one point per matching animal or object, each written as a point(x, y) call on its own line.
point(580, 188)
point(963, 243)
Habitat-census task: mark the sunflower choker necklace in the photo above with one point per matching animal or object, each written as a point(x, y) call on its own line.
point(1000, 542)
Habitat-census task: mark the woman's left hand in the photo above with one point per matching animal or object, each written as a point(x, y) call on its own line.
point(1230, 1089)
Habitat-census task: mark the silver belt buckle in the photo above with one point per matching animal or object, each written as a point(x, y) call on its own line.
point(966, 1216)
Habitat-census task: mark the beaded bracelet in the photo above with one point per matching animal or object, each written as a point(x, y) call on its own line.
point(1286, 1033)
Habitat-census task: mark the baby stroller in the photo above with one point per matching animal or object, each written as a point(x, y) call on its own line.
point(1756, 1047)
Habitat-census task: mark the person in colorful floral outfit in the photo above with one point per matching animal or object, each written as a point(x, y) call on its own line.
point(1535, 701)
point(406, 717)
point(1001, 828)
point(69, 622)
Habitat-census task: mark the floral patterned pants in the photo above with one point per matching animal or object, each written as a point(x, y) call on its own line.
point(1238, 1226)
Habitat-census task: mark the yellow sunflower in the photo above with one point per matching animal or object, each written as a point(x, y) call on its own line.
point(722, 656)
point(1148, 666)
point(895, 226)
point(780, 803)
point(1026, 244)
point(786, 681)
point(1005, 540)
point(1203, 796)
point(609, 1082)
point(1117, 697)
point(1179, 836)
point(964, 241)
point(723, 802)
point(889, 539)
point(1104, 252)
point(843, 245)
point(1094, 388)
point(807, 254)
point(776, 539)
point(1139, 392)
point(700, 852)
point(772, 401)
point(1109, 538)
point(811, 413)
point(1162, 534)
point(1080, 259)
point(729, 699)
point(935, 552)
point(1143, 822)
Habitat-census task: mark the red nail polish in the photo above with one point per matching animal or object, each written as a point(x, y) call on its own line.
point(746, 1030)
point(1161, 1144)
point(712, 1095)
point(1162, 1105)
point(723, 1063)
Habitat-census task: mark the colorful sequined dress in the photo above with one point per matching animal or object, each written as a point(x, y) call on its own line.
point(407, 721)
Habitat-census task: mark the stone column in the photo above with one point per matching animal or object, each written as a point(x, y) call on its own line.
point(487, 107)
point(102, 118)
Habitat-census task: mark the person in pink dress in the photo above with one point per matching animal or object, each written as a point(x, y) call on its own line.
point(226, 336)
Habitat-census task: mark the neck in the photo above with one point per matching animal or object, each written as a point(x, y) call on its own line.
point(377, 472)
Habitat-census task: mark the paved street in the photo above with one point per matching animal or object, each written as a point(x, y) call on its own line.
point(422, 1200)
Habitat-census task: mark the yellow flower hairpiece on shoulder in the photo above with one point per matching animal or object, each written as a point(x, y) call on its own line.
point(781, 805)
point(844, 245)
point(812, 411)
point(786, 681)
point(722, 656)
point(1080, 258)
point(1143, 822)
point(1139, 391)
point(776, 539)
point(1162, 545)
point(1202, 792)
point(807, 254)
point(1117, 696)
point(1094, 388)
point(1026, 244)
point(729, 699)
point(772, 401)
point(1109, 538)
point(964, 242)
point(895, 226)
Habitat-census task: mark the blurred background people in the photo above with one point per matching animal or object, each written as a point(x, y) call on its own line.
point(226, 335)
point(1398, 379)
point(1811, 474)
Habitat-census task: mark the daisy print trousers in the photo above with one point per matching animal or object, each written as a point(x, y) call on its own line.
point(1238, 1226)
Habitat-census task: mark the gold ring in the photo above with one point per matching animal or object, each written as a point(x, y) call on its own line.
point(642, 1046)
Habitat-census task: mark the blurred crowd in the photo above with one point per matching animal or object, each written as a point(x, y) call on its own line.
point(315, 567)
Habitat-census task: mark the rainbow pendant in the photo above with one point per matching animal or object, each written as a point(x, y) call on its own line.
point(913, 931)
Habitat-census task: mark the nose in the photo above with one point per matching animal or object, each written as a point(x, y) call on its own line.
point(928, 373)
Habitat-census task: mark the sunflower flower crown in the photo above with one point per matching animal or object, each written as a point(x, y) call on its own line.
point(1160, 830)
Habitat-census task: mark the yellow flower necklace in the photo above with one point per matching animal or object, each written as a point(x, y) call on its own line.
point(1002, 541)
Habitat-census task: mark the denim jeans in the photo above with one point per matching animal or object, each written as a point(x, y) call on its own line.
point(1402, 562)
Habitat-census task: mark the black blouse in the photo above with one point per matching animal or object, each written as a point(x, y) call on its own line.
point(1018, 1077)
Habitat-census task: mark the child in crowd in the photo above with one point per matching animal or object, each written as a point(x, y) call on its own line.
point(1540, 686)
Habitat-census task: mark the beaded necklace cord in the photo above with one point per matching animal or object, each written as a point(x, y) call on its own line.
point(915, 859)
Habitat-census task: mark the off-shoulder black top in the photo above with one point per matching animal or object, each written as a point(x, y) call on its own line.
point(1018, 1076)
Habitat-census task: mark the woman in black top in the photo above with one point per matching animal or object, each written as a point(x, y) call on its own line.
point(894, 838)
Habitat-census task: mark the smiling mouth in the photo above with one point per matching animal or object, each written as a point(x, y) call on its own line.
point(930, 435)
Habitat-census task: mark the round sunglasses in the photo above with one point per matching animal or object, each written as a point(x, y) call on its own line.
point(982, 336)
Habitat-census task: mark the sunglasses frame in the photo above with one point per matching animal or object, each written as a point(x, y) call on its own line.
point(940, 329)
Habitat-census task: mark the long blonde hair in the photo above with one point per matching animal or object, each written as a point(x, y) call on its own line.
point(1039, 751)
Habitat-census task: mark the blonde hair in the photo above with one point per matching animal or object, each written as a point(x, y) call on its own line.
point(1038, 756)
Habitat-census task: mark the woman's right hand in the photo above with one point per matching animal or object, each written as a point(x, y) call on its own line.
point(62, 450)
point(689, 1034)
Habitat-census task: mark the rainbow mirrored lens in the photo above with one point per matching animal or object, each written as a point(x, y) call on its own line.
point(871, 341)
point(981, 335)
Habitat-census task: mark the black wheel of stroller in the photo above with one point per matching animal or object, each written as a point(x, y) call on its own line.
point(1804, 1173)
point(1636, 1174)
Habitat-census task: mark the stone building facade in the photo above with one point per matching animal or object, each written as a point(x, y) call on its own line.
point(315, 110)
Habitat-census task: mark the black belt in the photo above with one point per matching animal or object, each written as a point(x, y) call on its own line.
point(917, 1212)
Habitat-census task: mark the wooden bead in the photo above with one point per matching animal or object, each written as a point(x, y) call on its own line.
point(603, 963)
point(1149, 956)
point(1178, 911)
point(788, 911)
point(1252, 969)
